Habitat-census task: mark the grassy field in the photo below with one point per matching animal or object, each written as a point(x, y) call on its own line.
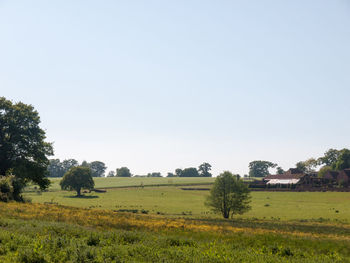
point(169, 224)
point(51, 233)
point(112, 182)
point(173, 201)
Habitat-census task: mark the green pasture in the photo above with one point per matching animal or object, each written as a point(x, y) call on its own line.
point(173, 201)
point(111, 182)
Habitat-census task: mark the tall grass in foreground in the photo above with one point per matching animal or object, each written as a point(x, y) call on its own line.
point(50, 233)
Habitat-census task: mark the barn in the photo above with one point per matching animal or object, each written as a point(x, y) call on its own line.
point(291, 177)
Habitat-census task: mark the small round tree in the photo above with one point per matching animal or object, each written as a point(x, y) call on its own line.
point(76, 179)
point(229, 196)
point(123, 172)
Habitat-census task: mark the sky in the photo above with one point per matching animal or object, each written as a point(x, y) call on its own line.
point(159, 85)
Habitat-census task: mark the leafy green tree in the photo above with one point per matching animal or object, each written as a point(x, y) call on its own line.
point(279, 170)
point(85, 164)
point(189, 172)
point(307, 166)
point(301, 166)
point(322, 172)
point(55, 168)
point(23, 150)
point(311, 164)
point(77, 178)
point(229, 196)
point(178, 172)
point(260, 168)
point(111, 174)
point(97, 168)
point(10, 189)
point(343, 161)
point(330, 158)
point(68, 164)
point(204, 170)
point(123, 172)
point(171, 175)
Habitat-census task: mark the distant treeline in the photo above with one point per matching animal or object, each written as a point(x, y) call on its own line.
point(57, 168)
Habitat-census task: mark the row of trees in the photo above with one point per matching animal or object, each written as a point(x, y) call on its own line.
point(57, 168)
point(332, 159)
point(202, 171)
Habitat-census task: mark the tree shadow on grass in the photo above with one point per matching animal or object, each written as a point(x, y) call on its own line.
point(82, 196)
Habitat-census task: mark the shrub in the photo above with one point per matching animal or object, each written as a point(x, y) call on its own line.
point(10, 189)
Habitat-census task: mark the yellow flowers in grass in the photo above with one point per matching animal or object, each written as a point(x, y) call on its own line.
point(106, 219)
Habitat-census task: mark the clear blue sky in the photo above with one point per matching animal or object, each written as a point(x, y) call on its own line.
point(157, 85)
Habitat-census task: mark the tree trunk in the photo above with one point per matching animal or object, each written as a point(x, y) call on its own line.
point(78, 192)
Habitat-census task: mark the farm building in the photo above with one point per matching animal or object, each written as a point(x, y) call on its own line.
point(296, 179)
point(292, 176)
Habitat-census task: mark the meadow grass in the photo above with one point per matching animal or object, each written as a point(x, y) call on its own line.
point(51, 233)
point(169, 224)
point(111, 182)
point(173, 201)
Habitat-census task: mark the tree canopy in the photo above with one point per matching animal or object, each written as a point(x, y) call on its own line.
point(279, 170)
point(77, 178)
point(204, 170)
point(23, 149)
point(97, 168)
point(58, 169)
point(260, 168)
point(330, 158)
point(178, 172)
point(154, 174)
point(189, 172)
point(343, 161)
point(307, 166)
point(123, 172)
point(229, 195)
point(111, 174)
point(322, 172)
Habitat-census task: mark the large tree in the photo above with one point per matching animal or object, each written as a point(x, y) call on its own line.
point(279, 170)
point(97, 168)
point(204, 170)
point(189, 172)
point(23, 149)
point(260, 168)
point(329, 158)
point(77, 178)
point(123, 172)
point(68, 164)
point(178, 172)
point(111, 174)
point(307, 166)
point(229, 195)
point(57, 168)
point(343, 161)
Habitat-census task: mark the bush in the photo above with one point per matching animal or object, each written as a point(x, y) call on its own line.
point(10, 189)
